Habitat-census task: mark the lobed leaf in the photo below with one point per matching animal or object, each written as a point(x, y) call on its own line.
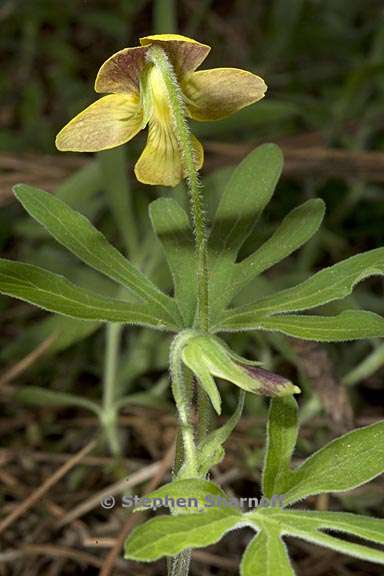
point(343, 546)
point(327, 285)
point(308, 525)
point(247, 193)
point(345, 522)
point(266, 555)
point(80, 237)
point(343, 464)
point(56, 294)
point(169, 535)
point(348, 325)
point(296, 229)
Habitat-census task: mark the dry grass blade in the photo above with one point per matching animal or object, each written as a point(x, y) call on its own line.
point(110, 560)
point(62, 552)
point(318, 161)
point(45, 487)
point(23, 365)
point(116, 488)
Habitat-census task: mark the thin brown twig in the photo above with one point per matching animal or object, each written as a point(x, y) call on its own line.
point(214, 560)
point(17, 369)
point(315, 161)
point(116, 488)
point(40, 456)
point(62, 552)
point(112, 556)
point(23, 507)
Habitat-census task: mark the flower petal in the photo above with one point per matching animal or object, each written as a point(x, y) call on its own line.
point(270, 384)
point(108, 122)
point(185, 53)
point(217, 93)
point(160, 162)
point(121, 72)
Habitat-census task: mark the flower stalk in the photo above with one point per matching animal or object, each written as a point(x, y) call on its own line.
point(159, 58)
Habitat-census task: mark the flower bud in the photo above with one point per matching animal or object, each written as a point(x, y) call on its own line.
point(207, 356)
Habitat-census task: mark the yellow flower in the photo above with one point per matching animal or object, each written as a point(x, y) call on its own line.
point(137, 96)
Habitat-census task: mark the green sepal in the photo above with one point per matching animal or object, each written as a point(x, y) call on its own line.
point(192, 359)
point(210, 450)
point(208, 351)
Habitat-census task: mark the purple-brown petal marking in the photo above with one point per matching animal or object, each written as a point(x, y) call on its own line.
point(184, 53)
point(121, 72)
point(272, 384)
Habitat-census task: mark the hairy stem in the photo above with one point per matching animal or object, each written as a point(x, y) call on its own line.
point(182, 398)
point(179, 566)
point(177, 106)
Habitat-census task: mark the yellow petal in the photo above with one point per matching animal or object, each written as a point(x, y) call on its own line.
point(161, 163)
point(121, 72)
point(217, 93)
point(108, 122)
point(185, 53)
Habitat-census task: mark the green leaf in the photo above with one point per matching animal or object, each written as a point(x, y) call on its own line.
point(266, 555)
point(190, 490)
point(247, 193)
point(308, 525)
point(282, 430)
point(42, 397)
point(343, 546)
point(348, 325)
point(56, 294)
point(327, 285)
point(171, 225)
point(169, 535)
point(296, 229)
point(78, 235)
point(305, 520)
point(343, 464)
point(211, 451)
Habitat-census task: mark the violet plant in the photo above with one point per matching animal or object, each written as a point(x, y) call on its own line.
point(156, 84)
